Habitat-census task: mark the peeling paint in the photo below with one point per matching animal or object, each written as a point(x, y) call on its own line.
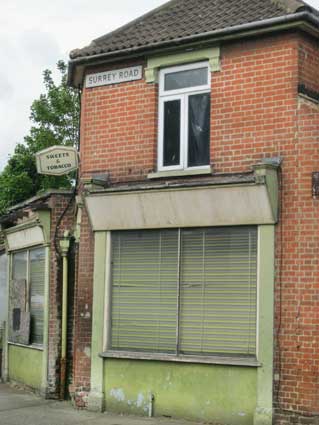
point(140, 400)
point(195, 392)
point(87, 351)
point(118, 394)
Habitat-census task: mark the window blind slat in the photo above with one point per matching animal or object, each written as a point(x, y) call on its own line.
point(218, 291)
point(144, 290)
point(37, 278)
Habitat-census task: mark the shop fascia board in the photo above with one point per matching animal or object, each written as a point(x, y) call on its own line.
point(241, 203)
point(40, 223)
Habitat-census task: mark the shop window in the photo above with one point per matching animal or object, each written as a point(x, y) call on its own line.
point(184, 117)
point(185, 292)
point(27, 296)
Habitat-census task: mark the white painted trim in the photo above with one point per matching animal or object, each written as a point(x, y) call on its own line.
point(160, 155)
point(194, 171)
point(181, 68)
point(183, 96)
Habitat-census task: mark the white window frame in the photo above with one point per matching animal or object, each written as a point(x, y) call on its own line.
point(182, 95)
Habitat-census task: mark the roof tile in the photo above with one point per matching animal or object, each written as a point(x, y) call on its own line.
point(181, 18)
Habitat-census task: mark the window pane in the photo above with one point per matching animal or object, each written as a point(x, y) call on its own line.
point(218, 291)
point(144, 290)
point(19, 266)
point(184, 79)
point(172, 128)
point(198, 129)
point(37, 278)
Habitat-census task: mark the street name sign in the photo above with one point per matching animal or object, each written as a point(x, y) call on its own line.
point(57, 160)
point(114, 76)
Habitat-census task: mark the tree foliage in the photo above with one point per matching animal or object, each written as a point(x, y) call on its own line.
point(55, 121)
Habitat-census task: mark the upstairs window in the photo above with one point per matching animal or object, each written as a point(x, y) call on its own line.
point(184, 117)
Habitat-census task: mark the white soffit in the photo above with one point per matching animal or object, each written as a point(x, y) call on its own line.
point(196, 207)
point(25, 237)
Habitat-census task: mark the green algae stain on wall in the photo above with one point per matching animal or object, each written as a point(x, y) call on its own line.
point(25, 366)
point(225, 394)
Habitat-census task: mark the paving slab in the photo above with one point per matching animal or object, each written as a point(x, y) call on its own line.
point(19, 407)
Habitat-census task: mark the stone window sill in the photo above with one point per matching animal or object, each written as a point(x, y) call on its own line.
point(218, 360)
point(180, 173)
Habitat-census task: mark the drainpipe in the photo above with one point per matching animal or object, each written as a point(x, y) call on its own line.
point(64, 245)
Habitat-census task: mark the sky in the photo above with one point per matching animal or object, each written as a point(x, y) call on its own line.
point(34, 35)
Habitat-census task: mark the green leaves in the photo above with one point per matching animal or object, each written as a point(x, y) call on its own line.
point(55, 118)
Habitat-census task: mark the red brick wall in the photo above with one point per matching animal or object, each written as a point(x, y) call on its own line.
point(255, 113)
point(119, 125)
point(83, 314)
point(309, 63)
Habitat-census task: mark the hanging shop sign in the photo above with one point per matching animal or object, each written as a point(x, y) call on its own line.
point(115, 76)
point(57, 160)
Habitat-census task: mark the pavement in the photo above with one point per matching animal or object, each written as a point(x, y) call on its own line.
point(19, 407)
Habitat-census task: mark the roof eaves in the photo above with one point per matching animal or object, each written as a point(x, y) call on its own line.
point(43, 196)
point(215, 35)
point(105, 37)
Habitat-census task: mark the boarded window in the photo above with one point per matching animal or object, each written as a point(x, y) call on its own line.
point(189, 291)
point(27, 296)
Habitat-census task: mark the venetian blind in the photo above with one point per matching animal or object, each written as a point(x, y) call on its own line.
point(37, 278)
point(188, 294)
point(218, 291)
point(144, 290)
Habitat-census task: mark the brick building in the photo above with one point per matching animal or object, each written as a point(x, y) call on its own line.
point(31, 291)
point(197, 289)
